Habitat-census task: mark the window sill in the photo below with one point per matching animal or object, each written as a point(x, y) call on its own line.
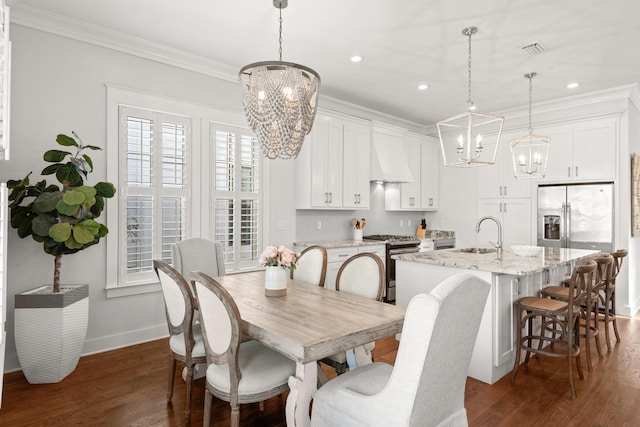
point(132, 289)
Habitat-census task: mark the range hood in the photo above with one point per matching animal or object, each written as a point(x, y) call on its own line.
point(389, 158)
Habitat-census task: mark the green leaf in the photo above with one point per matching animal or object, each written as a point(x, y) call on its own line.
point(91, 225)
point(41, 225)
point(65, 209)
point(72, 243)
point(103, 230)
point(55, 156)
point(47, 202)
point(66, 140)
point(69, 173)
point(84, 234)
point(87, 191)
point(92, 147)
point(60, 232)
point(73, 197)
point(105, 189)
point(98, 206)
point(88, 160)
point(51, 169)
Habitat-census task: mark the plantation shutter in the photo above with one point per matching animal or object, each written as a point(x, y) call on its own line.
point(236, 195)
point(154, 188)
point(4, 220)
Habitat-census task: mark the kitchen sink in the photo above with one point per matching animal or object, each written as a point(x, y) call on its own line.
point(476, 250)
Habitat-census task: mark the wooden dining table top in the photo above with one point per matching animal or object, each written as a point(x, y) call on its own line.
point(309, 322)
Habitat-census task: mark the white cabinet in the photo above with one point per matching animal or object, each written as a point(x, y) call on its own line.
point(508, 289)
point(332, 169)
point(356, 165)
point(421, 194)
point(499, 180)
point(582, 151)
point(430, 164)
point(337, 256)
point(515, 216)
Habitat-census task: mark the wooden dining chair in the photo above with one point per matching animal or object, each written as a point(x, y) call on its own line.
point(185, 338)
point(607, 308)
point(311, 266)
point(563, 314)
point(426, 385)
point(363, 275)
point(587, 323)
point(237, 372)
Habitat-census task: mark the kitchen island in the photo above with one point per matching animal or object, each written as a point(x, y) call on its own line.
point(511, 277)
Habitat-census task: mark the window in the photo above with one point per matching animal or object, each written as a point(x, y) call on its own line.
point(153, 188)
point(179, 173)
point(236, 194)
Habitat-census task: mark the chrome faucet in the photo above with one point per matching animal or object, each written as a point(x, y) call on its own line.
point(498, 244)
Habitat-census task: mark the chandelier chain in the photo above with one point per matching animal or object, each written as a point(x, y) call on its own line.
point(530, 97)
point(280, 34)
point(469, 102)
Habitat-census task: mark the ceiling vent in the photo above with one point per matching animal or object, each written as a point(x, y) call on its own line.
point(534, 48)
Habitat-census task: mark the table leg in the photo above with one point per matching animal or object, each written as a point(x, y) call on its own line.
point(302, 387)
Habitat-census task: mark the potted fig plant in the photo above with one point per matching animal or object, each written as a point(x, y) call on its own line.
point(51, 321)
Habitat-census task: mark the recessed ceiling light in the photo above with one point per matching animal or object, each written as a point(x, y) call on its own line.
point(356, 58)
point(573, 85)
point(423, 86)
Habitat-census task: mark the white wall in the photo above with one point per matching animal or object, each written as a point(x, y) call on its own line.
point(58, 85)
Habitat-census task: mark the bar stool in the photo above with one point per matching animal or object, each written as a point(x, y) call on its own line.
point(587, 323)
point(563, 313)
point(607, 310)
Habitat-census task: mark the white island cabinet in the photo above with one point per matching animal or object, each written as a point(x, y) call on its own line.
point(511, 278)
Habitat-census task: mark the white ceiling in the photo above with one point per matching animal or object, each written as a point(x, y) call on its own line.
point(403, 43)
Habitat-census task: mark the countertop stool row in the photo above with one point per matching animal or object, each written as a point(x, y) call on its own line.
point(563, 315)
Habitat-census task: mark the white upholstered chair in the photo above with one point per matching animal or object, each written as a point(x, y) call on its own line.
point(237, 372)
point(362, 275)
point(185, 342)
point(198, 254)
point(426, 385)
point(311, 266)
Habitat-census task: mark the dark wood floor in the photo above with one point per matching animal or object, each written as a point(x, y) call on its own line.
point(127, 388)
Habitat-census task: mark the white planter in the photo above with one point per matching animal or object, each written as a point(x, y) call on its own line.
point(50, 330)
point(275, 281)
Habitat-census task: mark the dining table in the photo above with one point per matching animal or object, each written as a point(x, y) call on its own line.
point(307, 324)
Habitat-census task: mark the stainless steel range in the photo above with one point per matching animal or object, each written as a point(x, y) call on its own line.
point(395, 245)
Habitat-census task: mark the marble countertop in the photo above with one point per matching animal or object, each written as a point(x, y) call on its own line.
point(332, 244)
point(509, 264)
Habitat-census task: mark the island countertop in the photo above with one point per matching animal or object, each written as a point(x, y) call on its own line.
point(509, 264)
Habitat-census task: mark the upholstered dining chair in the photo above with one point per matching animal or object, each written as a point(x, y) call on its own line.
point(198, 254)
point(185, 341)
point(563, 314)
point(311, 266)
point(237, 373)
point(362, 275)
point(426, 386)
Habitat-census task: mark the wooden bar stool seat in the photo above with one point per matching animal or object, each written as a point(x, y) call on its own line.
point(563, 314)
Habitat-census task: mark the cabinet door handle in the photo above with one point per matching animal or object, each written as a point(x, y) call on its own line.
point(330, 197)
point(515, 286)
point(576, 171)
point(430, 201)
point(505, 206)
point(359, 199)
point(326, 198)
point(569, 172)
point(500, 206)
point(505, 190)
point(355, 199)
point(501, 190)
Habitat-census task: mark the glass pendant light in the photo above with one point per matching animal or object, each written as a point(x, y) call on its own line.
point(530, 153)
point(470, 139)
point(280, 100)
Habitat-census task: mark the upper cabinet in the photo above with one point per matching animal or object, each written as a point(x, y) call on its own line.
point(356, 165)
point(332, 169)
point(582, 150)
point(499, 180)
point(421, 194)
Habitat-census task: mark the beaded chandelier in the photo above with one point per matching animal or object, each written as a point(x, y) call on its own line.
point(280, 101)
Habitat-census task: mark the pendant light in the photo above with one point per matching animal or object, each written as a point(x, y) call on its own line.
point(470, 139)
point(280, 101)
point(530, 153)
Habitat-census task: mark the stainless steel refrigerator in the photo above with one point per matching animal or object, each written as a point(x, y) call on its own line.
point(577, 216)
